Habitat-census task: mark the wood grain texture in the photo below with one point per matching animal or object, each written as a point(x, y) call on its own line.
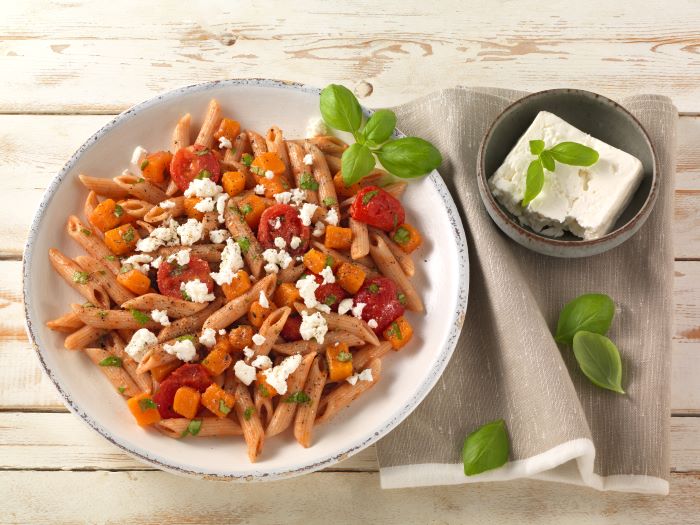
point(61, 60)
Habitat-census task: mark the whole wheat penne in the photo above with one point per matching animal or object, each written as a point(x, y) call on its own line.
point(360, 239)
point(271, 328)
point(211, 123)
point(208, 252)
point(91, 203)
point(136, 207)
point(405, 260)
point(306, 413)
point(364, 355)
point(263, 406)
point(113, 319)
point(337, 256)
point(240, 146)
point(275, 144)
point(290, 274)
point(144, 228)
point(329, 144)
point(66, 323)
point(334, 163)
point(140, 188)
point(158, 214)
point(326, 189)
point(115, 344)
point(300, 169)
point(156, 356)
point(283, 414)
point(103, 187)
point(91, 243)
point(239, 228)
point(249, 420)
point(390, 267)
point(340, 397)
point(190, 324)
point(209, 223)
point(78, 279)
point(331, 337)
point(396, 189)
point(114, 372)
point(172, 188)
point(181, 133)
point(106, 279)
point(209, 427)
point(257, 143)
point(83, 337)
point(235, 309)
point(176, 308)
point(343, 323)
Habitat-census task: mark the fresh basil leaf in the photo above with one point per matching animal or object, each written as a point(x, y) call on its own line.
point(140, 317)
point(536, 146)
point(299, 397)
point(193, 428)
point(380, 126)
point(547, 160)
point(111, 360)
point(248, 413)
point(147, 404)
point(340, 109)
point(409, 157)
point(486, 448)
point(357, 161)
point(589, 312)
point(574, 154)
point(533, 182)
point(599, 360)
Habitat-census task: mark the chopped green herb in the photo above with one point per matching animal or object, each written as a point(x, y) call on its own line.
point(121, 389)
point(86, 232)
point(185, 295)
point(257, 170)
point(147, 404)
point(373, 288)
point(330, 300)
point(223, 408)
point(81, 277)
point(246, 209)
point(126, 268)
point(299, 397)
point(329, 201)
point(204, 174)
point(102, 314)
point(202, 152)
point(402, 298)
point(186, 337)
point(144, 164)
point(112, 360)
point(140, 180)
point(111, 257)
point(395, 221)
point(140, 317)
point(244, 244)
point(402, 236)
point(248, 413)
point(263, 390)
point(344, 356)
point(329, 260)
point(369, 196)
point(118, 211)
point(307, 182)
point(193, 428)
point(179, 269)
point(247, 159)
point(395, 331)
point(128, 235)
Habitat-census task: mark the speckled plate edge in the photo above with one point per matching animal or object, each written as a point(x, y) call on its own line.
point(250, 475)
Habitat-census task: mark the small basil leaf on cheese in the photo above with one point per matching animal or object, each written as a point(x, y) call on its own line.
point(409, 157)
point(356, 162)
point(599, 360)
point(340, 109)
point(536, 146)
point(574, 154)
point(380, 126)
point(547, 160)
point(591, 312)
point(486, 448)
point(534, 181)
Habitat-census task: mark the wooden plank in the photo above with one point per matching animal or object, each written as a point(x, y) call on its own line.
point(47, 441)
point(60, 62)
point(28, 169)
point(156, 497)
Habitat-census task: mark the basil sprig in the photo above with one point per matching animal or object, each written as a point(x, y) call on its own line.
point(591, 312)
point(407, 157)
point(486, 448)
point(571, 153)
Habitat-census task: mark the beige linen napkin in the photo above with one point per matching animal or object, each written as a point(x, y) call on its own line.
point(507, 365)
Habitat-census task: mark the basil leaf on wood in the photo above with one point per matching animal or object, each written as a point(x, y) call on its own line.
point(599, 360)
point(592, 312)
point(486, 448)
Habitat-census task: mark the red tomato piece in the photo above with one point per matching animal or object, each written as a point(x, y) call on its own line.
point(330, 294)
point(170, 275)
point(191, 375)
point(192, 162)
point(290, 225)
point(378, 208)
point(383, 302)
point(291, 329)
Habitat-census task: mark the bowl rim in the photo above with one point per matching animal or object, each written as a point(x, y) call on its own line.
point(628, 228)
point(251, 475)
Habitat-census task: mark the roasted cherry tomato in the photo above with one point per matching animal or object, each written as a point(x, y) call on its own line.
point(291, 329)
point(329, 294)
point(170, 275)
point(383, 302)
point(194, 162)
point(378, 208)
point(191, 375)
point(282, 220)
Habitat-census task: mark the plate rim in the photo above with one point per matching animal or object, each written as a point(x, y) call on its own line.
point(427, 384)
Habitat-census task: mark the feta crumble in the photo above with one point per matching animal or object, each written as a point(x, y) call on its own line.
point(248, 352)
point(139, 261)
point(262, 362)
point(283, 197)
point(319, 229)
point(258, 339)
point(327, 274)
point(231, 262)
point(181, 257)
point(357, 310)
point(313, 326)
point(205, 205)
point(277, 376)
point(244, 372)
point(225, 143)
point(139, 342)
point(262, 299)
point(365, 375)
point(316, 127)
point(345, 306)
point(203, 188)
point(184, 350)
point(308, 159)
point(372, 323)
point(280, 243)
point(260, 190)
point(269, 174)
point(222, 331)
point(160, 316)
point(307, 212)
point(166, 205)
point(332, 217)
point(208, 337)
point(221, 206)
point(156, 262)
point(190, 232)
point(138, 155)
point(197, 291)
point(219, 236)
point(295, 242)
point(276, 259)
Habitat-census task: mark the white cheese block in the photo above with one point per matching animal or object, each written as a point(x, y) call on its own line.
point(587, 201)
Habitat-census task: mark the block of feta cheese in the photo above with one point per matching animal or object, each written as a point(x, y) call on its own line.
point(587, 201)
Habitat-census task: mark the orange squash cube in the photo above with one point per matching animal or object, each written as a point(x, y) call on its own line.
point(240, 284)
point(240, 337)
point(193, 213)
point(186, 402)
point(407, 237)
point(155, 166)
point(106, 215)
point(286, 295)
point(341, 189)
point(228, 128)
point(160, 372)
point(217, 361)
point(265, 389)
point(258, 313)
point(315, 261)
point(122, 240)
point(339, 360)
point(399, 333)
point(350, 277)
point(268, 161)
point(233, 182)
point(338, 238)
point(144, 409)
point(218, 401)
point(251, 208)
point(134, 281)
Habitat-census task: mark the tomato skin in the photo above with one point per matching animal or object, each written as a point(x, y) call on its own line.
point(170, 276)
point(188, 162)
point(324, 291)
point(378, 208)
point(291, 226)
point(380, 296)
point(291, 331)
point(191, 375)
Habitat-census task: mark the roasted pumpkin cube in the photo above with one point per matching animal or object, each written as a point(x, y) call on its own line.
point(122, 240)
point(339, 360)
point(186, 401)
point(399, 333)
point(218, 401)
point(350, 277)
point(144, 409)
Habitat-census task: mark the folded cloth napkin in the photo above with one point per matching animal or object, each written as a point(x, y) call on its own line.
point(507, 365)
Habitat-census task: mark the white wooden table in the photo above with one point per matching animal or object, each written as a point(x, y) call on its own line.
point(67, 67)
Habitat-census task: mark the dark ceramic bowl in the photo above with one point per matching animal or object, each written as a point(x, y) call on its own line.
point(594, 114)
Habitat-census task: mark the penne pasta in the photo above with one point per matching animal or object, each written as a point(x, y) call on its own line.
point(209, 252)
point(283, 414)
point(211, 123)
point(136, 207)
point(103, 187)
point(290, 274)
point(306, 413)
point(140, 188)
point(91, 203)
point(239, 306)
point(239, 229)
point(396, 189)
point(190, 324)
point(250, 422)
point(334, 163)
point(270, 330)
point(275, 144)
point(91, 243)
point(300, 169)
point(111, 367)
point(158, 214)
point(181, 133)
point(67, 323)
point(115, 344)
point(105, 279)
point(257, 143)
point(360, 239)
point(263, 407)
point(339, 257)
point(305, 347)
point(176, 308)
point(404, 259)
point(389, 266)
point(83, 337)
point(364, 355)
point(210, 427)
point(78, 279)
point(113, 319)
point(326, 189)
point(344, 323)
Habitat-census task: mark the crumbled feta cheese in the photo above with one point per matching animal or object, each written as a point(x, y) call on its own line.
point(307, 212)
point(276, 224)
point(345, 306)
point(231, 262)
point(248, 352)
point(365, 375)
point(203, 188)
point(244, 372)
point(307, 286)
point(139, 261)
point(182, 257)
point(166, 205)
point(308, 159)
point(258, 339)
point(280, 243)
point(352, 379)
point(357, 310)
point(332, 217)
point(162, 236)
point(148, 244)
point(222, 331)
point(282, 197)
point(327, 274)
point(269, 174)
point(184, 350)
point(262, 362)
point(224, 142)
point(208, 337)
point(197, 291)
point(372, 323)
point(276, 259)
point(160, 316)
point(205, 205)
point(139, 342)
point(298, 196)
point(316, 127)
point(138, 155)
point(156, 262)
point(262, 299)
point(221, 206)
point(319, 229)
point(313, 326)
point(259, 189)
point(295, 242)
point(277, 377)
point(219, 236)
point(190, 232)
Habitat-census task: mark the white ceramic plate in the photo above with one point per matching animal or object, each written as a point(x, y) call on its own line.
point(441, 279)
